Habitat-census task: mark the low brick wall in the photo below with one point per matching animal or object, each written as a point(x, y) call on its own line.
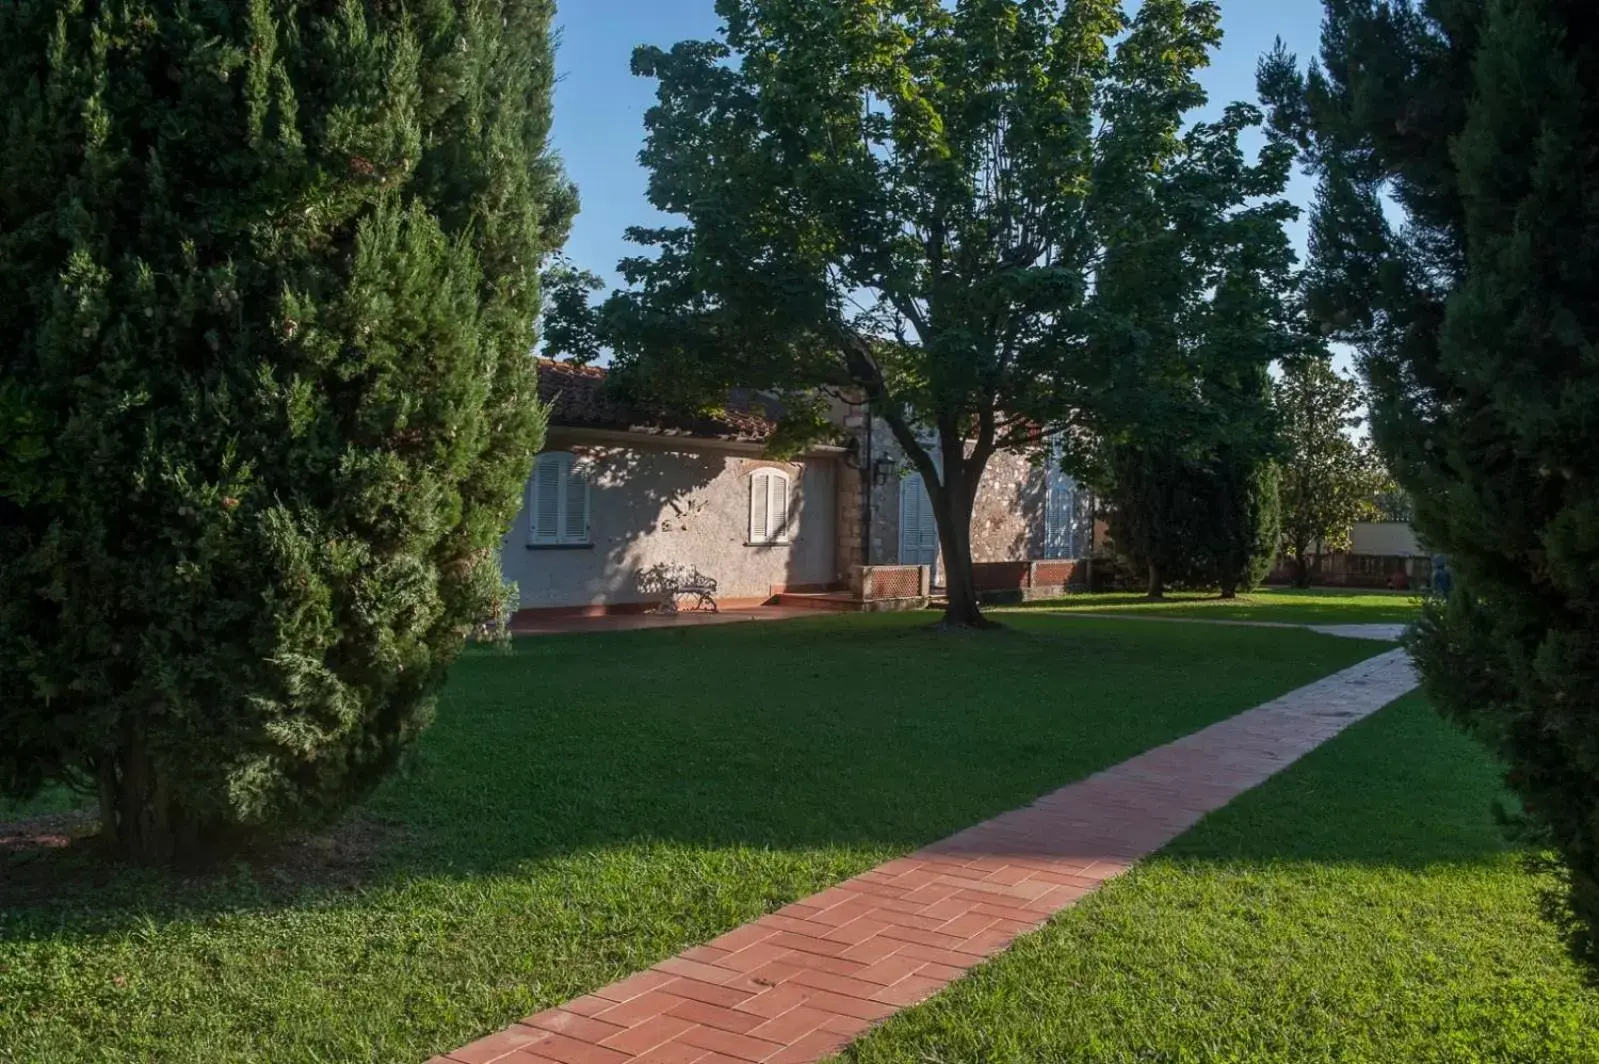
point(1002, 583)
point(1061, 572)
point(875, 583)
point(1001, 576)
point(1013, 576)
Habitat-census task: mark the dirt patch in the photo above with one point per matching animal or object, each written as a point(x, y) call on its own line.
point(60, 859)
point(342, 858)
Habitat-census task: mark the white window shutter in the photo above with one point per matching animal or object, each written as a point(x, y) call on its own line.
point(575, 523)
point(558, 501)
point(760, 508)
point(779, 507)
point(545, 519)
point(929, 524)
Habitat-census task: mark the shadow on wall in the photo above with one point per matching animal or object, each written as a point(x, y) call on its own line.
point(658, 509)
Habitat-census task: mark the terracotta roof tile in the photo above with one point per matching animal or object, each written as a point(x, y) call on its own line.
point(579, 398)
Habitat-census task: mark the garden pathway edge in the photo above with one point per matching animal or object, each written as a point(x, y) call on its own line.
point(797, 985)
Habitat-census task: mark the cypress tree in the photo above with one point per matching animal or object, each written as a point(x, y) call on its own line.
point(270, 276)
point(1156, 511)
point(1479, 121)
point(1242, 520)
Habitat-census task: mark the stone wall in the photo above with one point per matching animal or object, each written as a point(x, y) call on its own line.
point(1008, 518)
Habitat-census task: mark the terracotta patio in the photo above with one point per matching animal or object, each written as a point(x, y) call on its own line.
point(559, 624)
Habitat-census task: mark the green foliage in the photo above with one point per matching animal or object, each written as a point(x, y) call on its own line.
point(1391, 502)
point(1243, 526)
point(1157, 513)
point(1330, 478)
point(1474, 121)
point(1193, 302)
point(570, 325)
point(271, 272)
point(1210, 521)
point(909, 202)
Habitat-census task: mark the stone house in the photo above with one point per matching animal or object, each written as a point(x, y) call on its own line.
point(623, 501)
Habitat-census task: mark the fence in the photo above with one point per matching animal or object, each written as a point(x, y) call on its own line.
point(1360, 570)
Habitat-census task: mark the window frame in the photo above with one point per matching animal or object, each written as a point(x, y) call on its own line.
point(766, 477)
point(564, 466)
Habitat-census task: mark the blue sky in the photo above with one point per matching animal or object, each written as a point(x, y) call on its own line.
point(599, 119)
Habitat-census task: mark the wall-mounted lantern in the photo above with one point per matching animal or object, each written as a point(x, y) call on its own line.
point(883, 471)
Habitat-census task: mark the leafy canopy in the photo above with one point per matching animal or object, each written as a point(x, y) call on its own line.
point(1330, 476)
point(912, 203)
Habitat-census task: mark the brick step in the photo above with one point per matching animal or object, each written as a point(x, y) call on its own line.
point(834, 601)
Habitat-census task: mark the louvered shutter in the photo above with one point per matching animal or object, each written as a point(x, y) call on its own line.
point(1060, 507)
point(778, 507)
point(544, 519)
point(760, 508)
point(929, 528)
point(910, 492)
point(918, 532)
point(558, 503)
point(575, 516)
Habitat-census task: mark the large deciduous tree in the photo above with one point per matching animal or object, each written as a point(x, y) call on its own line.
point(1477, 122)
point(905, 201)
point(1329, 476)
point(269, 275)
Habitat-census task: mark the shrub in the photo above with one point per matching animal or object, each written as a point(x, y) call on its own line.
point(267, 401)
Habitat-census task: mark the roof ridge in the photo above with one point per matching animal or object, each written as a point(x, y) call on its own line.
point(572, 367)
point(579, 398)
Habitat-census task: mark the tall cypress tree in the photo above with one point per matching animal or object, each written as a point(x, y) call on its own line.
point(1479, 120)
point(270, 275)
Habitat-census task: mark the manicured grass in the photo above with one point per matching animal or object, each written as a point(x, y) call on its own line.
point(1277, 605)
point(1362, 906)
point(585, 806)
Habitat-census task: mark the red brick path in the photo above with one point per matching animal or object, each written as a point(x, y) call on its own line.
point(803, 982)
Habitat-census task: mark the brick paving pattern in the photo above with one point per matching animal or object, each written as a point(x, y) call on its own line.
point(801, 983)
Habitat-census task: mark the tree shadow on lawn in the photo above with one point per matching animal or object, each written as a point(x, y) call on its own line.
point(1275, 606)
point(871, 733)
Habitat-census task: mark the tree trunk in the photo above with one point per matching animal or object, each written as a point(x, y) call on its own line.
point(1229, 589)
point(961, 608)
point(1301, 567)
point(952, 490)
point(138, 814)
point(1157, 582)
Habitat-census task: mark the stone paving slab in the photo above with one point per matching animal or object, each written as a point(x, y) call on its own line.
point(800, 984)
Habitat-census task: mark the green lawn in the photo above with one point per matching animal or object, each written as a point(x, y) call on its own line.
point(1277, 605)
point(1362, 906)
point(585, 806)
